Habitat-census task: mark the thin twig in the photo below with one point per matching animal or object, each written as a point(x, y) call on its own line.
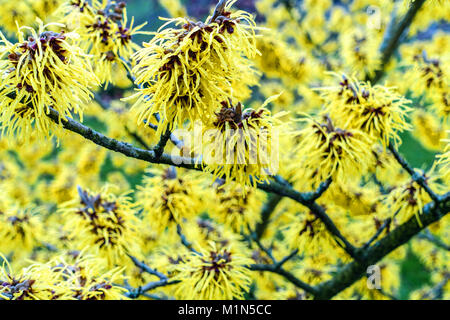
point(287, 275)
point(163, 279)
point(185, 242)
point(280, 263)
point(142, 290)
point(119, 146)
point(138, 138)
point(434, 240)
point(392, 39)
point(218, 10)
point(380, 185)
point(420, 179)
point(268, 251)
point(353, 271)
point(380, 230)
point(147, 269)
point(436, 291)
point(173, 138)
point(307, 199)
point(321, 190)
point(272, 202)
point(159, 149)
point(127, 149)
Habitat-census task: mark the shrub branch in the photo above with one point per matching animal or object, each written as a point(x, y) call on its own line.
point(392, 38)
point(353, 271)
point(349, 274)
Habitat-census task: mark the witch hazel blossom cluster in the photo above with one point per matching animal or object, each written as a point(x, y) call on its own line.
point(238, 156)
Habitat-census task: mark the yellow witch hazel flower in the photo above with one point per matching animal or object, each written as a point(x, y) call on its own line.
point(202, 231)
point(409, 199)
point(87, 279)
point(174, 7)
point(36, 282)
point(329, 152)
point(241, 145)
point(104, 224)
point(428, 129)
point(104, 33)
point(184, 72)
point(62, 188)
point(168, 197)
point(20, 230)
point(214, 274)
point(15, 12)
point(25, 12)
point(278, 60)
point(376, 110)
point(444, 162)
point(46, 8)
point(360, 51)
point(236, 210)
point(76, 12)
point(356, 199)
point(167, 257)
point(58, 279)
point(386, 168)
point(46, 70)
point(101, 286)
point(430, 77)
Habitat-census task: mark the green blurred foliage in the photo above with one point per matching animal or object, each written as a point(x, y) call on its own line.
point(414, 275)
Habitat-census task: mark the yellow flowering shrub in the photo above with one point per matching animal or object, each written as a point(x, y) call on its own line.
point(261, 149)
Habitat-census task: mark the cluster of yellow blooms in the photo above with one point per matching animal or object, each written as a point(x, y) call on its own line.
point(241, 145)
point(105, 34)
point(69, 276)
point(45, 70)
point(94, 224)
point(24, 13)
point(186, 71)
